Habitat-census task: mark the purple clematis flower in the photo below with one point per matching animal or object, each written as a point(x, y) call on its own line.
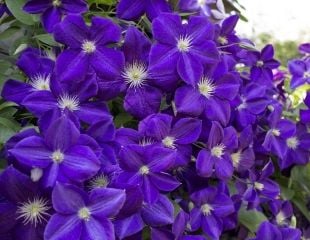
point(261, 188)
point(63, 154)
point(25, 209)
point(142, 97)
point(298, 148)
point(134, 9)
point(282, 212)
point(201, 6)
point(172, 134)
point(217, 155)
point(210, 207)
point(226, 35)
point(268, 231)
point(210, 96)
point(38, 68)
point(182, 48)
point(81, 216)
point(146, 166)
point(300, 71)
point(53, 10)
point(88, 50)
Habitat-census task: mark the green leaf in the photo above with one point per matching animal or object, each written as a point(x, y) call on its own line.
point(301, 174)
point(7, 129)
point(7, 33)
point(251, 218)
point(16, 8)
point(105, 2)
point(47, 39)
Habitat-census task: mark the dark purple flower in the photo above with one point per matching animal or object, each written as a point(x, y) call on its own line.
point(201, 6)
point(134, 9)
point(53, 10)
point(282, 212)
point(210, 96)
point(182, 48)
point(216, 158)
point(172, 134)
point(62, 153)
point(268, 231)
point(146, 166)
point(210, 207)
point(25, 210)
point(82, 216)
point(300, 71)
point(88, 50)
point(305, 114)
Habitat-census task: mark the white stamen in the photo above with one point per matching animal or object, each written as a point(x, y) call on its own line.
point(206, 209)
point(40, 82)
point(56, 3)
point(276, 132)
point(259, 63)
point(306, 74)
point(206, 87)
point(88, 46)
point(57, 156)
point(84, 214)
point(258, 186)
point(146, 141)
point(218, 151)
point(292, 142)
point(33, 211)
point(201, 3)
point(100, 181)
point(222, 40)
point(280, 218)
point(144, 170)
point(70, 102)
point(169, 142)
point(184, 43)
point(36, 174)
point(135, 74)
point(236, 158)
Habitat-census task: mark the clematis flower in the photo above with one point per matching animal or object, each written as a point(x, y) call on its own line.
point(300, 71)
point(62, 153)
point(217, 156)
point(182, 48)
point(282, 212)
point(209, 96)
point(38, 68)
point(172, 134)
point(83, 216)
point(201, 6)
point(134, 9)
point(210, 207)
point(88, 50)
point(268, 231)
point(261, 188)
point(146, 166)
point(53, 10)
point(25, 210)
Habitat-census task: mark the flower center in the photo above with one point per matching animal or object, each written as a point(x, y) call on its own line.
point(57, 156)
point(184, 43)
point(69, 102)
point(206, 209)
point(222, 40)
point(276, 132)
point(56, 3)
point(100, 181)
point(206, 87)
point(236, 158)
point(169, 142)
point(40, 82)
point(84, 214)
point(135, 74)
point(33, 211)
point(280, 218)
point(144, 170)
point(218, 151)
point(292, 142)
point(201, 3)
point(259, 63)
point(306, 74)
point(258, 186)
point(88, 46)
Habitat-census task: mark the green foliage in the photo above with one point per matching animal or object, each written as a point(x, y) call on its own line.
point(251, 219)
point(16, 8)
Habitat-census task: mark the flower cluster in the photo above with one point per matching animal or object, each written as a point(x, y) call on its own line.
point(201, 140)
